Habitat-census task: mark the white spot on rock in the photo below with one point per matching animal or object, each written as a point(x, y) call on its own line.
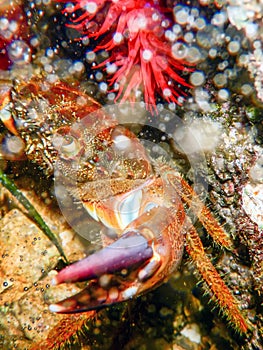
point(192, 332)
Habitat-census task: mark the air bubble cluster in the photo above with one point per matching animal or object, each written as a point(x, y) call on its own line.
point(224, 44)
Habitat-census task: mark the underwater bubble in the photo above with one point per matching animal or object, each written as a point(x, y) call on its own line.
point(52, 78)
point(85, 41)
point(111, 68)
point(44, 60)
point(257, 44)
point(181, 16)
point(14, 144)
point(147, 55)
point(243, 59)
point(78, 67)
point(197, 78)
point(4, 23)
point(113, 293)
point(233, 47)
point(103, 87)
point(50, 52)
point(48, 68)
point(99, 76)
point(212, 52)
point(202, 99)
point(167, 92)
point(251, 30)
point(220, 80)
point(165, 23)
point(179, 50)
point(200, 23)
point(111, 96)
point(246, 89)
point(219, 19)
point(209, 37)
point(172, 106)
point(194, 54)
point(90, 7)
point(222, 65)
point(192, 332)
point(189, 37)
point(19, 52)
point(177, 30)
point(223, 94)
point(90, 56)
point(195, 12)
point(155, 17)
point(170, 35)
point(13, 26)
point(117, 38)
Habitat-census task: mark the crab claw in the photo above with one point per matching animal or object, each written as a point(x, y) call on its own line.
point(111, 271)
point(140, 260)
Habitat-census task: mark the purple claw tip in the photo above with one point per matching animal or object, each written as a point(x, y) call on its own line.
point(126, 252)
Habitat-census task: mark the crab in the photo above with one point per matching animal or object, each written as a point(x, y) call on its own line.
point(138, 200)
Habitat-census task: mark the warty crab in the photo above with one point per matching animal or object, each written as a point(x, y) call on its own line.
point(140, 201)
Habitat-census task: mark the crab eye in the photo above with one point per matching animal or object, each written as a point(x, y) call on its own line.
point(70, 147)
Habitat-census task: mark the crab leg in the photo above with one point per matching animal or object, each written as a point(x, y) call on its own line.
point(195, 249)
point(220, 292)
point(191, 199)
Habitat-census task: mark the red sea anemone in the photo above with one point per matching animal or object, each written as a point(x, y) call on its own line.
point(141, 55)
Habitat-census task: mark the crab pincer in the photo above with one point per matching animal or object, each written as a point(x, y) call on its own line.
point(109, 271)
point(135, 263)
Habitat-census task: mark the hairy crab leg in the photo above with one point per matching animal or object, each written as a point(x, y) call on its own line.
point(220, 292)
point(191, 199)
point(195, 249)
point(65, 331)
